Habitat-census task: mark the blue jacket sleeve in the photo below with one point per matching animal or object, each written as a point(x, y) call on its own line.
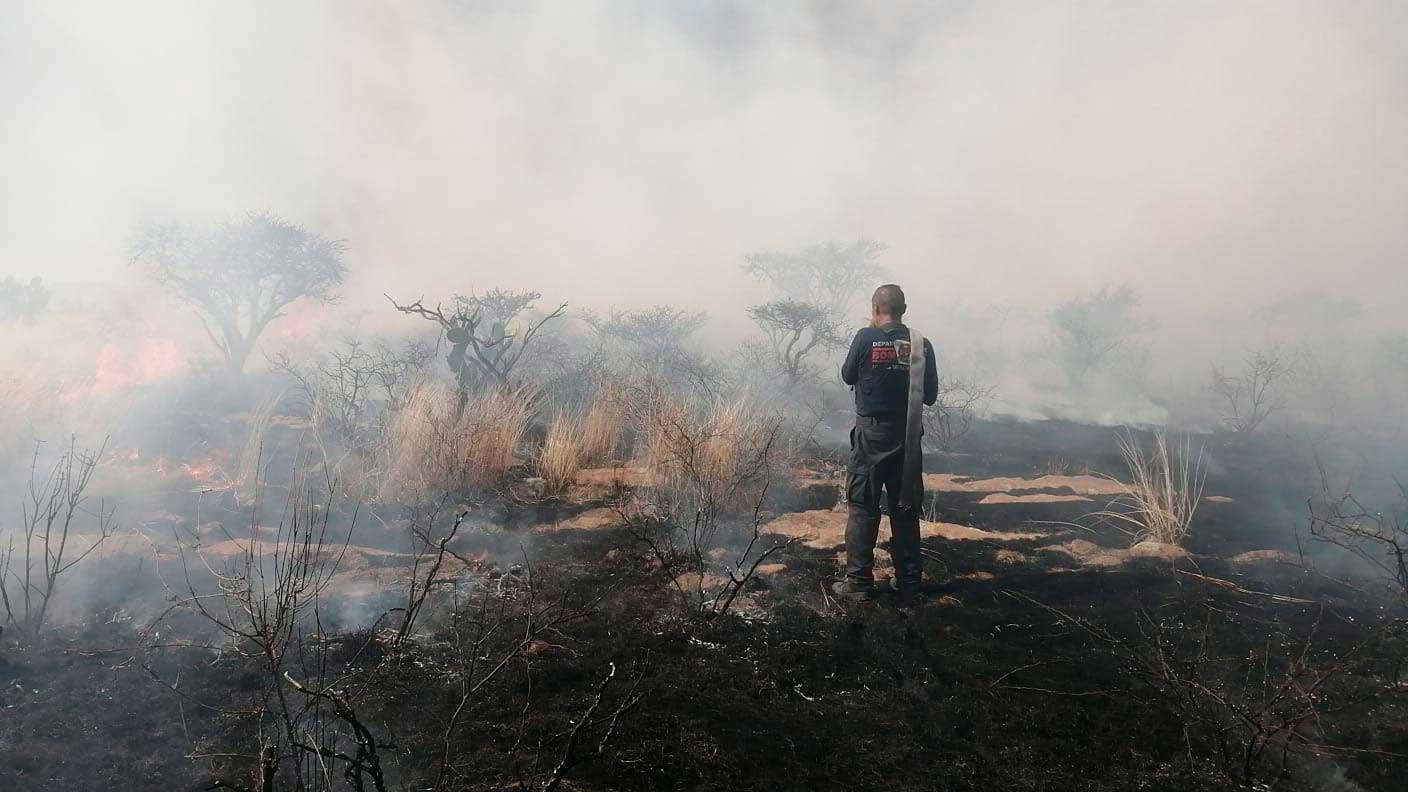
point(850, 370)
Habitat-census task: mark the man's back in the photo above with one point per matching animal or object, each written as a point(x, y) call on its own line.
point(878, 367)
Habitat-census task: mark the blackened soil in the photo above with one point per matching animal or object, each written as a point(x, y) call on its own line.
point(1028, 676)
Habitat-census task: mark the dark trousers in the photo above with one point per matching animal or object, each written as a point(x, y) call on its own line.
point(876, 471)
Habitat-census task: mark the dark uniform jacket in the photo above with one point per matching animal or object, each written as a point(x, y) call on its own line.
point(878, 368)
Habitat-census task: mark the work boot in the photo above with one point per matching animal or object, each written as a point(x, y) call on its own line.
point(853, 588)
point(906, 592)
point(897, 586)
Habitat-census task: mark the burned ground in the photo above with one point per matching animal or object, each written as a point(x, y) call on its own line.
point(1031, 662)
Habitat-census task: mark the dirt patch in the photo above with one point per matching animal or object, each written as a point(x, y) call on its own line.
point(1216, 499)
point(590, 520)
point(1258, 556)
point(606, 478)
point(1080, 485)
point(1090, 554)
point(1042, 497)
point(826, 529)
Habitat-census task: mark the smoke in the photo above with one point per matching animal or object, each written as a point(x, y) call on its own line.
point(1209, 154)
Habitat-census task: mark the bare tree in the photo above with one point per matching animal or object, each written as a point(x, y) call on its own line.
point(267, 600)
point(794, 329)
point(346, 388)
point(240, 275)
point(49, 544)
point(660, 330)
point(827, 275)
point(656, 341)
point(1251, 396)
point(1087, 332)
point(480, 352)
point(22, 302)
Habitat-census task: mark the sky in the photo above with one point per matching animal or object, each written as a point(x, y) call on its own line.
point(1212, 155)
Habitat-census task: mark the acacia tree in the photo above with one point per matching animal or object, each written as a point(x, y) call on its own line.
point(826, 275)
point(1087, 332)
point(20, 301)
point(815, 286)
point(794, 329)
point(659, 331)
point(240, 275)
point(657, 341)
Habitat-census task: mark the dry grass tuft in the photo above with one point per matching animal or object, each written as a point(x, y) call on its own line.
point(1162, 497)
point(435, 447)
point(603, 427)
point(563, 452)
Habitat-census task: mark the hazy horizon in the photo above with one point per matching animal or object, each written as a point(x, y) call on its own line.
point(1212, 156)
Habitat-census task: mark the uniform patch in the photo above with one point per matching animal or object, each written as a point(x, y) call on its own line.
point(890, 353)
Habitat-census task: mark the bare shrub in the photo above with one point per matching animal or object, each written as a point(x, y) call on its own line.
point(951, 416)
point(266, 598)
point(1166, 485)
point(352, 396)
point(437, 447)
point(1250, 396)
point(49, 541)
point(1256, 712)
point(1376, 537)
point(709, 464)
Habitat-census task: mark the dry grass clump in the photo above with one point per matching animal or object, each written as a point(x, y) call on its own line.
point(603, 427)
point(712, 459)
point(563, 452)
point(576, 440)
point(1163, 494)
point(437, 447)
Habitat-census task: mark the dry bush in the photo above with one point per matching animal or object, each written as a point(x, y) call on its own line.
point(709, 464)
point(713, 459)
point(49, 542)
point(435, 447)
point(1250, 396)
point(1378, 537)
point(1162, 497)
point(949, 418)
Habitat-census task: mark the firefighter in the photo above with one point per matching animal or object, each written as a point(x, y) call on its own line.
point(889, 375)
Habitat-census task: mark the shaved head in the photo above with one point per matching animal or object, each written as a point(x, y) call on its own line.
point(889, 300)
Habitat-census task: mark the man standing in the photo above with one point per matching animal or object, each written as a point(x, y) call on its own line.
point(884, 369)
